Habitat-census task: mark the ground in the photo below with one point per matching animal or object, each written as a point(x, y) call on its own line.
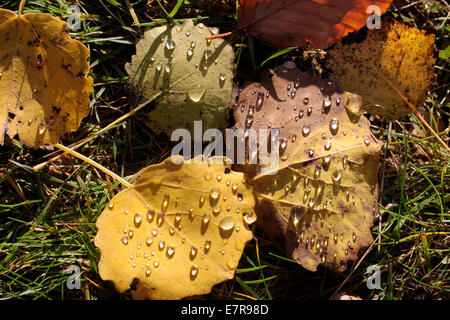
point(47, 218)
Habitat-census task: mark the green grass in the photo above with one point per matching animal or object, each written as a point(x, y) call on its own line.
point(47, 219)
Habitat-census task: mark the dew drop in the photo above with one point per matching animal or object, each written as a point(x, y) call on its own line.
point(311, 153)
point(191, 213)
point(137, 219)
point(366, 142)
point(124, 240)
point(193, 252)
point(334, 126)
point(308, 111)
point(222, 77)
point(336, 176)
point(306, 100)
point(207, 246)
point(326, 102)
point(161, 245)
point(159, 67)
point(170, 44)
point(234, 187)
point(354, 237)
point(202, 200)
point(249, 217)
point(190, 52)
point(111, 205)
point(170, 251)
point(149, 241)
point(148, 272)
point(156, 264)
point(194, 271)
point(344, 162)
point(296, 214)
point(206, 218)
point(154, 232)
point(150, 215)
point(306, 130)
point(196, 94)
point(327, 145)
point(193, 44)
point(160, 219)
point(214, 194)
point(226, 224)
point(42, 128)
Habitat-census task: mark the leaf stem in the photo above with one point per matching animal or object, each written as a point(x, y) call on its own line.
point(94, 164)
point(21, 5)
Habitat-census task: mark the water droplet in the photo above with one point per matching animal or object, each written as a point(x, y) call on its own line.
point(311, 202)
point(249, 217)
point(193, 252)
point(160, 219)
point(354, 237)
point(206, 218)
point(161, 245)
point(296, 214)
point(170, 44)
point(326, 102)
point(234, 187)
point(232, 264)
point(202, 200)
point(336, 176)
point(130, 233)
point(293, 92)
point(327, 145)
point(137, 219)
point(311, 153)
point(156, 264)
point(154, 232)
point(283, 145)
point(207, 246)
point(216, 210)
point(159, 67)
point(306, 100)
point(338, 100)
point(334, 126)
point(293, 138)
point(194, 271)
point(366, 141)
point(42, 128)
point(170, 251)
point(150, 215)
point(214, 193)
point(188, 33)
point(196, 94)
point(335, 237)
point(124, 240)
point(111, 205)
point(317, 171)
point(193, 44)
point(222, 77)
point(306, 130)
point(191, 213)
point(149, 241)
point(344, 162)
point(226, 224)
point(190, 52)
point(308, 111)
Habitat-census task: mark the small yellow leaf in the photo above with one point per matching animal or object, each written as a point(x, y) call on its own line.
point(179, 230)
point(321, 200)
point(43, 78)
point(396, 57)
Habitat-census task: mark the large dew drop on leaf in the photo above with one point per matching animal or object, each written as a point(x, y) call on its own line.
point(291, 23)
point(194, 75)
point(396, 59)
point(179, 230)
point(44, 86)
point(322, 201)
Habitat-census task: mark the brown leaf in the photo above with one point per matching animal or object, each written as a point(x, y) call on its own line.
point(292, 23)
point(322, 201)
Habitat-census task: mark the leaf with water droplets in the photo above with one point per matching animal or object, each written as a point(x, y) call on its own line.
point(396, 56)
point(321, 199)
point(193, 76)
point(176, 231)
point(44, 86)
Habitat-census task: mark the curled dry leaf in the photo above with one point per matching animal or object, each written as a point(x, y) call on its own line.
point(396, 56)
point(322, 201)
point(193, 75)
point(291, 23)
point(180, 230)
point(43, 78)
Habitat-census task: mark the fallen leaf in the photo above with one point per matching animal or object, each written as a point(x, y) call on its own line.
point(321, 202)
point(396, 56)
point(292, 23)
point(194, 76)
point(180, 230)
point(43, 78)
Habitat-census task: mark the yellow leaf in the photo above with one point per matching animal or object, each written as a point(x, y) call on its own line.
point(322, 199)
point(43, 78)
point(179, 230)
point(396, 57)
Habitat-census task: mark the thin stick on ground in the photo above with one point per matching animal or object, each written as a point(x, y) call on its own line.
point(94, 164)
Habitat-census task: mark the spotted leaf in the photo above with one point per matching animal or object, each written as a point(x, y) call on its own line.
point(192, 77)
point(396, 59)
point(179, 230)
point(43, 78)
point(321, 201)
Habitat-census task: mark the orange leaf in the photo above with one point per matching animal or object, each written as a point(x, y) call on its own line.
point(292, 23)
